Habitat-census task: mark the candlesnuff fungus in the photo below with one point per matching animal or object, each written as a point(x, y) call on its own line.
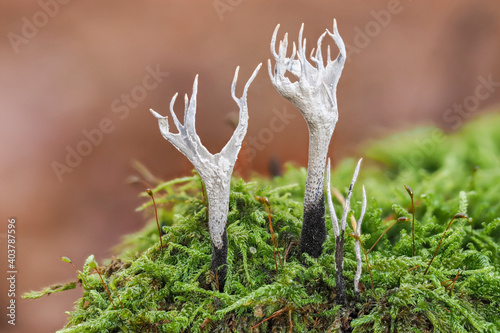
point(215, 170)
point(339, 230)
point(314, 94)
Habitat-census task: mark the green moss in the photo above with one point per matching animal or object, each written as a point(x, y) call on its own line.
point(50, 290)
point(173, 291)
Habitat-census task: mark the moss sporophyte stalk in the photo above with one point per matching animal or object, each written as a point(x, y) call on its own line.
point(314, 95)
point(262, 256)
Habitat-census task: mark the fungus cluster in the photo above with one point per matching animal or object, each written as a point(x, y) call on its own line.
point(314, 94)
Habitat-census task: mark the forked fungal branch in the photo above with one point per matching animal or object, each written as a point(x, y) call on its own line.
point(214, 169)
point(339, 232)
point(314, 94)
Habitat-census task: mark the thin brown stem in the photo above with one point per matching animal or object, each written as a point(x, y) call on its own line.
point(150, 193)
point(454, 281)
point(461, 216)
point(267, 206)
point(109, 294)
point(401, 219)
point(447, 283)
point(68, 260)
point(274, 235)
point(367, 263)
point(119, 300)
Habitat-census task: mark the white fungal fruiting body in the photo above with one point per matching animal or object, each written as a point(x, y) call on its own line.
point(215, 169)
point(357, 246)
point(314, 94)
point(339, 231)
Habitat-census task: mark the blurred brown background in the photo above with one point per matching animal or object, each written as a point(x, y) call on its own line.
point(70, 67)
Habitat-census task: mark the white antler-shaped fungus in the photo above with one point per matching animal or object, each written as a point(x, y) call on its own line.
point(357, 246)
point(314, 94)
point(215, 169)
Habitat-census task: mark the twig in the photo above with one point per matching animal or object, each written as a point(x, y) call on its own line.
point(359, 267)
point(288, 249)
point(204, 199)
point(459, 216)
point(367, 263)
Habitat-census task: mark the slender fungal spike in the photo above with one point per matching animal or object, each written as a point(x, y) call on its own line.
point(68, 260)
point(204, 198)
point(150, 193)
point(314, 94)
point(359, 267)
point(409, 190)
point(215, 170)
point(292, 243)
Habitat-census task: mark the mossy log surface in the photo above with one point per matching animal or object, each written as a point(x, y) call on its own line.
point(173, 291)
